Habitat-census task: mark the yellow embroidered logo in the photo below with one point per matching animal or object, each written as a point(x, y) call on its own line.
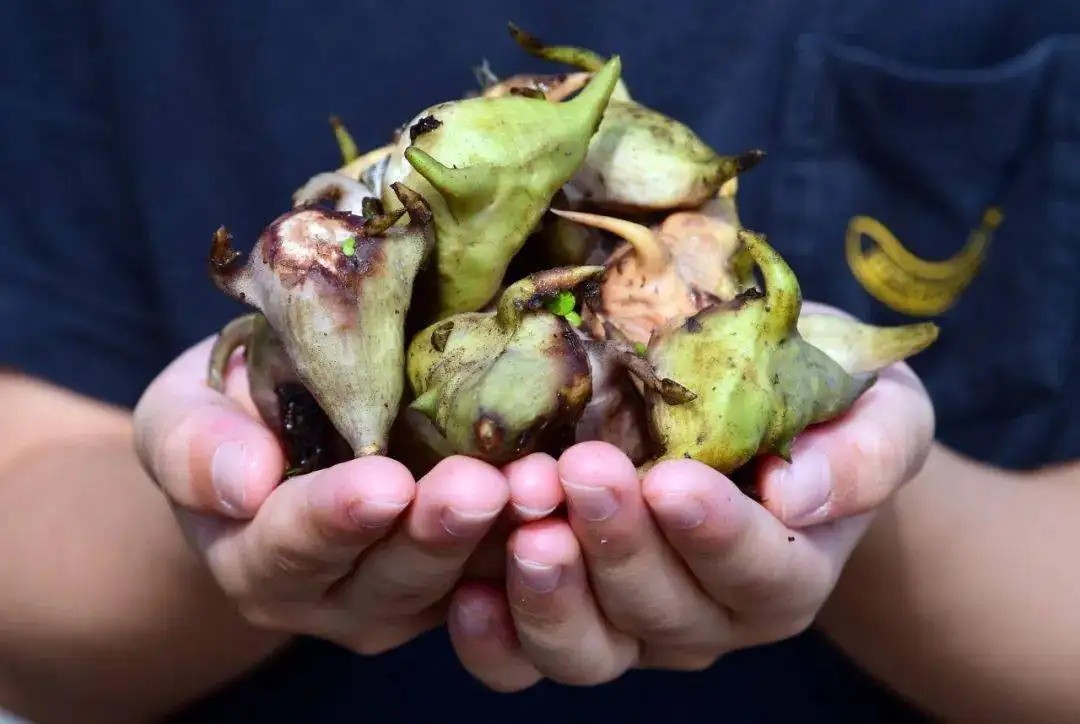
point(904, 282)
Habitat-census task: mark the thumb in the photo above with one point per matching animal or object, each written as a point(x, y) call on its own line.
point(854, 463)
point(203, 448)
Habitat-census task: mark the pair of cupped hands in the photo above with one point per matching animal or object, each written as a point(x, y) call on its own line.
point(672, 570)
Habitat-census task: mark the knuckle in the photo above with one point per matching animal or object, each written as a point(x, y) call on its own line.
point(232, 580)
point(881, 463)
point(538, 617)
point(284, 565)
point(399, 594)
point(616, 551)
point(171, 454)
point(288, 563)
point(664, 628)
point(764, 587)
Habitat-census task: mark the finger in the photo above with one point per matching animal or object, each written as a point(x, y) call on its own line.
point(744, 557)
point(535, 493)
point(852, 464)
point(561, 629)
point(534, 487)
point(310, 532)
point(639, 581)
point(421, 562)
point(205, 451)
point(482, 633)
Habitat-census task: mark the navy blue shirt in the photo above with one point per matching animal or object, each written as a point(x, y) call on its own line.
point(130, 131)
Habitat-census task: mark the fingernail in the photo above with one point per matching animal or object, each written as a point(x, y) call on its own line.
point(466, 524)
point(473, 619)
point(592, 503)
point(539, 577)
point(228, 468)
point(681, 512)
point(375, 513)
point(528, 513)
point(806, 488)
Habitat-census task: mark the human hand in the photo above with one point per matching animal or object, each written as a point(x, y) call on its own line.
point(358, 554)
point(680, 568)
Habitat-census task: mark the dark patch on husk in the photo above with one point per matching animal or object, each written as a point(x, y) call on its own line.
point(427, 124)
point(488, 430)
point(440, 334)
point(307, 433)
point(372, 207)
point(534, 93)
point(327, 261)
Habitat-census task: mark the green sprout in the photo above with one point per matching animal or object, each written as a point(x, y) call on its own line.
point(563, 303)
point(348, 247)
point(563, 306)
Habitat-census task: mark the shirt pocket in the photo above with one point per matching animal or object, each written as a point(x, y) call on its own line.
point(878, 158)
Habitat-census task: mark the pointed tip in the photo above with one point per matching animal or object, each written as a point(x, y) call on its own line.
point(648, 250)
point(859, 347)
point(377, 225)
point(673, 393)
point(782, 293)
point(346, 144)
point(592, 100)
point(237, 333)
point(449, 182)
point(223, 257)
point(425, 404)
point(522, 38)
point(746, 161)
point(728, 168)
point(566, 54)
point(414, 203)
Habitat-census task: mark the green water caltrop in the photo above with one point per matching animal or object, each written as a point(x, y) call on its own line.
point(335, 287)
point(490, 167)
point(498, 385)
point(641, 159)
point(758, 382)
point(280, 397)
